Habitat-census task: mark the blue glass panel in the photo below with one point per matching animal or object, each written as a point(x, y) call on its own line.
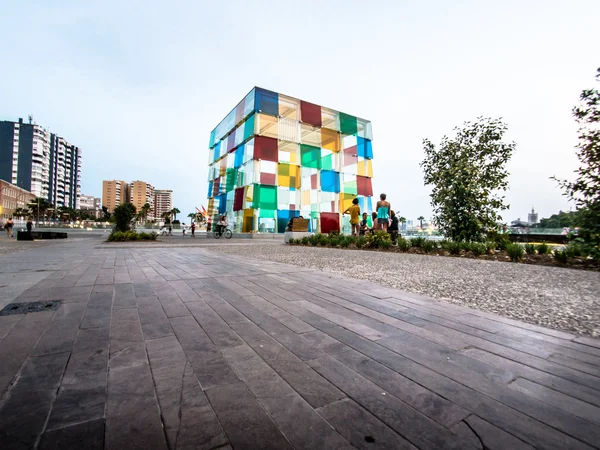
point(267, 102)
point(283, 217)
point(210, 189)
point(330, 181)
point(222, 203)
point(239, 156)
point(217, 151)
point(364, 147)
point(212, 139)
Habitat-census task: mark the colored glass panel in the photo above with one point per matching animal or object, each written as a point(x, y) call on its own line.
point(265, 148)
point(267, 102)
point(265, 197)
point(346, 201)
point(330, 139)
point(350, 156)
point(330, 181)
point(238, 201)
point(239, 156)
point(364, 186)
point(349, 185)
point(330, 119)
point(348, 124)
point(231, 178)
point(248, 221)
point(365, 168)
point(310, 156)
point(288, 175)
point(310, 113)
point(249, 127)
point(330, 222)
point(288, 152)
point(365, 149)
point(222, 201)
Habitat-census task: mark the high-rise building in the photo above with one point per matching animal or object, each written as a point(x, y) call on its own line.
point(275, 157)
point(87, 202)
point(40, 162)
point(114, 193)
point(141, 193)
point(163, 202)
point(532, 217)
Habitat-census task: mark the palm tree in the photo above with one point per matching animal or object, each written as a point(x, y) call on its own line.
point(421, 219)
point(175, 211)
point(402, 221)
point(20, 212)
point(39, 206)
point(166, 216)
point(192, 217)
point(144, 210)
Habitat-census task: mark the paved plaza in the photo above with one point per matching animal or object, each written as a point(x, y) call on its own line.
point(167, 347)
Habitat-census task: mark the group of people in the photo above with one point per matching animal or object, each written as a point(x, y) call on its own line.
point(168, 231)
point(383, 218)
point(9, 224)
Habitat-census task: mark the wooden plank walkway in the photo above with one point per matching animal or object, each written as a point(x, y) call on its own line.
point(183, 348)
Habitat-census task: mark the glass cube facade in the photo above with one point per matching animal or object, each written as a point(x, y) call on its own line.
point(276, 157)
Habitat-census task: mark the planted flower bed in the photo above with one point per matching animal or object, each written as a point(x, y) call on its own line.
point(498, 250)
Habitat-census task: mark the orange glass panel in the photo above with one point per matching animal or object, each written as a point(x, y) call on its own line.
point(330, 139)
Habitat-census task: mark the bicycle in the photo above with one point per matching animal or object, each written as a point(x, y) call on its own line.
point(220, 231)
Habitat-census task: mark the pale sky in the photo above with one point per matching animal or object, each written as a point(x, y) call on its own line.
point(139, 85)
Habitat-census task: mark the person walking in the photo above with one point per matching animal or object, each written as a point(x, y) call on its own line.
point(170, 230)
point(193, 229)
point(9, 227)
point(354, 211)
point(29, 225)
point(383, 212)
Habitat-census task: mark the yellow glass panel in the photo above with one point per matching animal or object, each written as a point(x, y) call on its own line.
point(346, 201)
point(267, 126)
point(288, 176)
point(305, 198)
point(249, 193)
point(330, 139)
point(310, 135)
point(248, 223)
point(365, 168)
point(288, 152)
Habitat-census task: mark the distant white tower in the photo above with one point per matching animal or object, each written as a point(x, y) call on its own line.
point(532, 217)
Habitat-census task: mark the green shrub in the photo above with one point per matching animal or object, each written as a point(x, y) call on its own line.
point(477, 248)
point(122, 236)
point(305, 240)
point(428, 246)
point(403, 244)
point(530, 249)
point(515, 251)
point(361, 242)
point(490, 247)
point(379, 240)
point(575, 249)
point(418, 242)
point(453, 248)
point(334, 240)
point(543, 249)
point(561, 256)
point(291, 241)
point(314, 239)
point(323, 239)
point(347, 240)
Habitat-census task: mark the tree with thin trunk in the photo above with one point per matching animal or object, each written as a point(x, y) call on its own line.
point(402, 221)
point(421, 219)
point(174, 212)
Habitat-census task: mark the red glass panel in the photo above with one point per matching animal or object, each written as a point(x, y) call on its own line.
point(268, 178)
point(310, 113)
point(330, 222)
point(350, 156)
point(364, 186)
point(238, 200)
point(314, 182)
point(266, 148)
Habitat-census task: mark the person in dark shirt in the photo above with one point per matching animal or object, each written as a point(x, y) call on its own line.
point(364, 226)
point(29, 225)
point(393, 228)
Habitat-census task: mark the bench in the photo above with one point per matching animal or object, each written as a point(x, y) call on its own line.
point(34, 235)
point(299, 230)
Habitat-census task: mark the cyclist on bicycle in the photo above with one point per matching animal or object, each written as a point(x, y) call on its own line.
point(222, 223)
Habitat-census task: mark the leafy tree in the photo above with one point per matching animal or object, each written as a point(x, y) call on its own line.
point(421, 219)
point(124, 216)
point(105, 213)
point(144, 210)
point(402, 221)
point(167, 217)
point(39, 207)
point(468, 174)
point(174, 212)
point(585, 190)
point(561, 220)
point(21, 212)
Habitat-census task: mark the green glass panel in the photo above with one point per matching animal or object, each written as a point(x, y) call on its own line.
point(249, 127)
point(230, 183)
point(310, 156)
point(327, 162)
point(267, 214)
point(350, 187)
point(348, 124)
point(265, 197)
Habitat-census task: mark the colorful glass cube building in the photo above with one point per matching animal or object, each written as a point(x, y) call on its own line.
point(275, 157)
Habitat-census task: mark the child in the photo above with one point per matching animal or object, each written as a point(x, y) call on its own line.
point(354, 211)
point(375, 224)
point(363, 224)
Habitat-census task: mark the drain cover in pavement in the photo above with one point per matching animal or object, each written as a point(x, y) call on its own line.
point(31, 307)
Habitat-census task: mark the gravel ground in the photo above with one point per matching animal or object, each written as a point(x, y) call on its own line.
point(560, 298)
